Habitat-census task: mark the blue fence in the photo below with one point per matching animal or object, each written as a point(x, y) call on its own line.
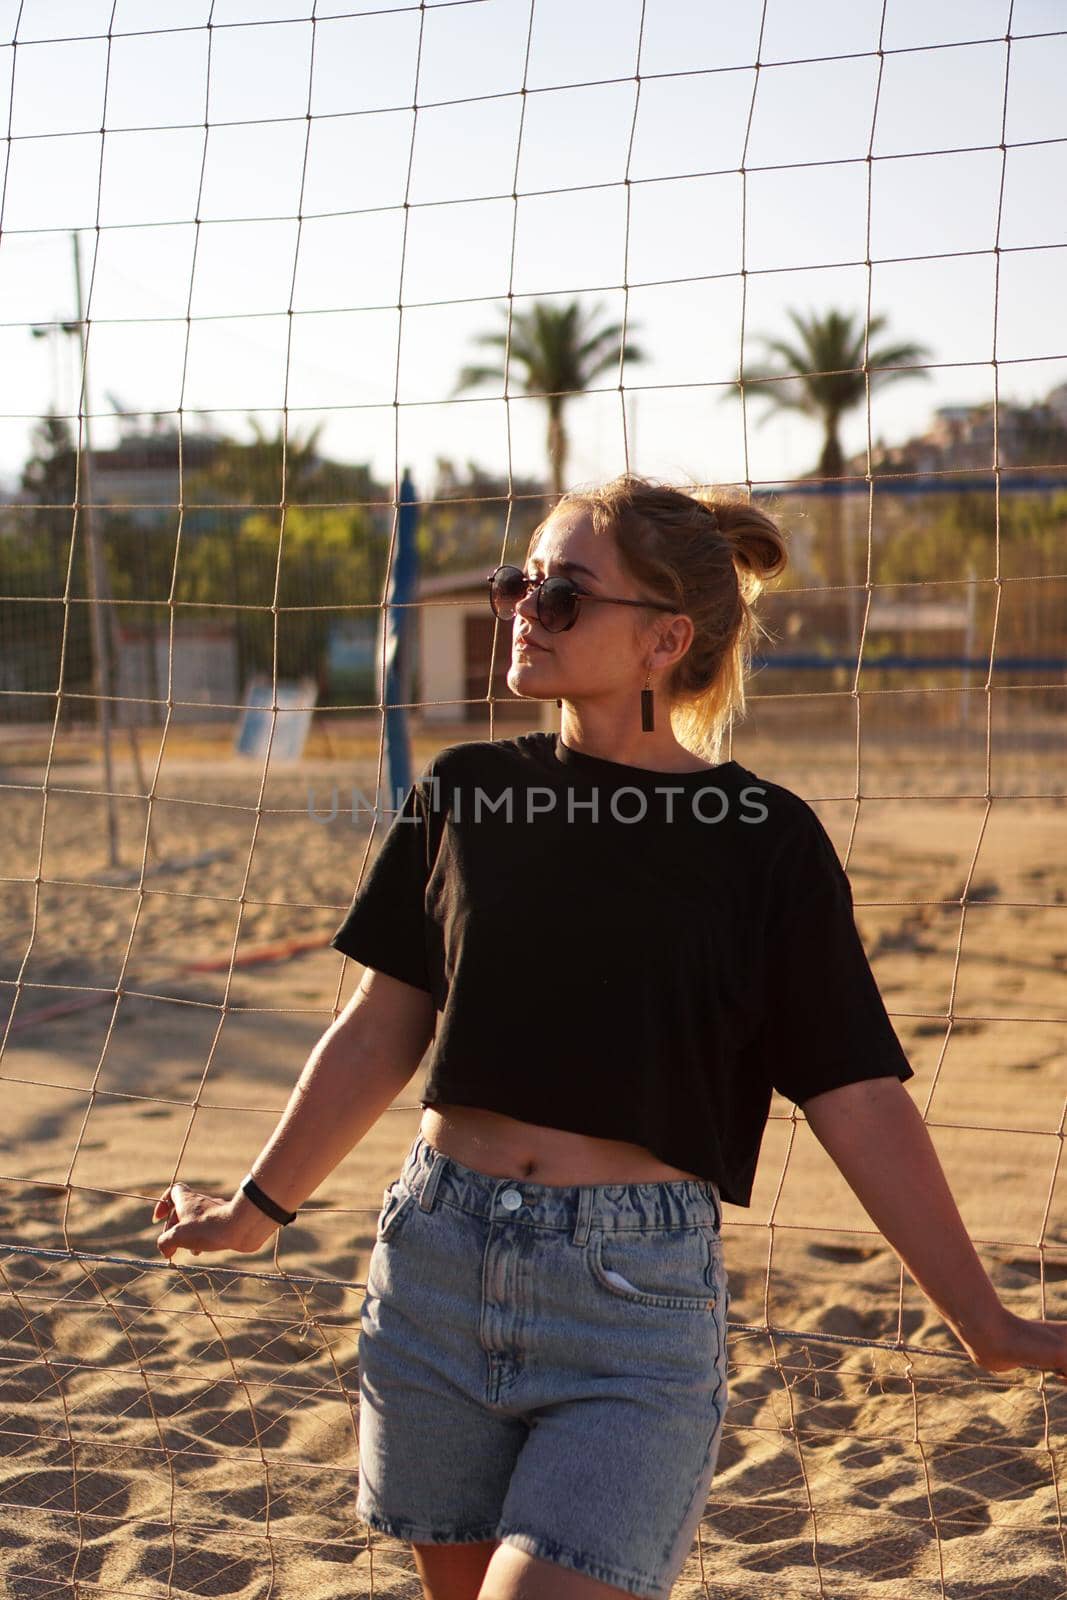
point(916, 663)
point(1012, 481)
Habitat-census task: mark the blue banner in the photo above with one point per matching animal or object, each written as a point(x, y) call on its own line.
point(400, 639)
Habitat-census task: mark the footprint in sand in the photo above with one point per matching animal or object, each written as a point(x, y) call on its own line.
point(844, 1255)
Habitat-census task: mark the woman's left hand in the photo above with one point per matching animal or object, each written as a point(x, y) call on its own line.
point(1020, 1342)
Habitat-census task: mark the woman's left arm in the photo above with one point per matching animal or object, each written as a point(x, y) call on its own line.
point(875, 1134)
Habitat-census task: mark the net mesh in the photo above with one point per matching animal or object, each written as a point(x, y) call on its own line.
point(194, 1429)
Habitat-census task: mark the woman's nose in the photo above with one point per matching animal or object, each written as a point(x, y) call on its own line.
point(527, 606)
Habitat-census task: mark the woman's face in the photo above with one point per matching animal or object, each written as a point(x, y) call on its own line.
point(600, 656)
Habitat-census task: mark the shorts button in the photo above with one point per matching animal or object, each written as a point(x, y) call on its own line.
point(511, 1199)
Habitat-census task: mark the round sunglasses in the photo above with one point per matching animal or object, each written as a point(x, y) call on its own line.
point(558, 599)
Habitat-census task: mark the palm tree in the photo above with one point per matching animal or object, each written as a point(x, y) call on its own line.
point(823, 374)
point(559, 352)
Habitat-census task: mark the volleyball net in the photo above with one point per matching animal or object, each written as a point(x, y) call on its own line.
point(796, 251)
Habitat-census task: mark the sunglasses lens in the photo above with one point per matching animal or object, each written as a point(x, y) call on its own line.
point(556, 598)
point(505, 591)
point(558, 604)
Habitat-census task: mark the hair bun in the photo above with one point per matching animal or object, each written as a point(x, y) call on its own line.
point(705, 503)
point(756, 542)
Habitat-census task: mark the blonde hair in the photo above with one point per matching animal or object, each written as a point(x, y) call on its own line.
point(710, 553)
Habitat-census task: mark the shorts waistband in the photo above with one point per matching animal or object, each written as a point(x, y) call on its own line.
point(577, 1210)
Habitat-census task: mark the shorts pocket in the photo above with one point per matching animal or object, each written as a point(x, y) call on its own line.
point(397, 1204)
point(676, 1268)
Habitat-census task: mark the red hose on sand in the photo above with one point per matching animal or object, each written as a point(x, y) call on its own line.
point(250, 958)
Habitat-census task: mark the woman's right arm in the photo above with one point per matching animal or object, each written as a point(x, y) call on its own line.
point(352, 1075)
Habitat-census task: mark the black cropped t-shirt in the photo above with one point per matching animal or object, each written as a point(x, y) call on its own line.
point(615, 951)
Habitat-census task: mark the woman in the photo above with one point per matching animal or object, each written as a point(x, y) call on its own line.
point(629, 944)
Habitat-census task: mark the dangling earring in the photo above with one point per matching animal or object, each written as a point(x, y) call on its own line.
point(647, 718)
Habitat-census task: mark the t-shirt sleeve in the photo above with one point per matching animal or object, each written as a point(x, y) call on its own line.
point(385, 926)
point(826, 1023)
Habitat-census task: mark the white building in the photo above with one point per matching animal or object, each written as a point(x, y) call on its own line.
point(456, 661)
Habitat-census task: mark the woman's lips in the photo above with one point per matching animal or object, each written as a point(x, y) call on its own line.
point(527, 644)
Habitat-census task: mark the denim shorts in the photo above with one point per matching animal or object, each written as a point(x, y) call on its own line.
point(544, 1366)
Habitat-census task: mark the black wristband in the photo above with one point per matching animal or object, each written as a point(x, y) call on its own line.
point(251, 1188)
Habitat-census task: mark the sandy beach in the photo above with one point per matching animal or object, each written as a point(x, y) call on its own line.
point(193, 1429)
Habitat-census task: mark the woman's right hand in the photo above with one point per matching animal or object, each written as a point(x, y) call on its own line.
point(199, 1222)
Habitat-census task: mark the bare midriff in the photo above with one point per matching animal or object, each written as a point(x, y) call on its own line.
point(502, 1147)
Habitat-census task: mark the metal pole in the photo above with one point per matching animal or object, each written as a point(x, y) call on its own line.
point(969, 635)
point(96, 575)
point(843, 511)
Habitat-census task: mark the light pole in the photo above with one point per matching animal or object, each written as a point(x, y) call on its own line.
point(96, 573)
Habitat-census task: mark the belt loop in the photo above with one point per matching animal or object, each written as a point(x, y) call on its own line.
point(580, 1235)
point(414, 1158)
point(429, 1188)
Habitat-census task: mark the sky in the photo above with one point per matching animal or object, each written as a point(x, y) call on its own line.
point(321, 208)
